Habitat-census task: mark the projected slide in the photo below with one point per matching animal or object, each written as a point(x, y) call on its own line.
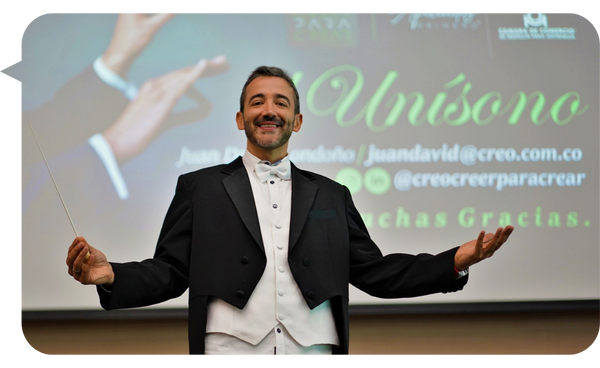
point(441, 125)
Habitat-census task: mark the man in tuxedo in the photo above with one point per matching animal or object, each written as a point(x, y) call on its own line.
point(267, 250)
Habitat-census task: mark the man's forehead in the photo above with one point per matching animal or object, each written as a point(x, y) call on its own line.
point(269, 84)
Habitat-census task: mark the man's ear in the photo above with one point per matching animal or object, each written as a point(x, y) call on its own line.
point(297, 122)
point(239, 119)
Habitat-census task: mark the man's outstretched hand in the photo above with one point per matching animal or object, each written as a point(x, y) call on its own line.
point(481, 248)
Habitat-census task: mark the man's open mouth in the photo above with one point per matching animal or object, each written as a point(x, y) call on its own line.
point(269, 124)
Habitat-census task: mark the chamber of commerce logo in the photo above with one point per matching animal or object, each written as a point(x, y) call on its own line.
point(535, 27)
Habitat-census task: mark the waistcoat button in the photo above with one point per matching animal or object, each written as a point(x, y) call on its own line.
point(240, 294)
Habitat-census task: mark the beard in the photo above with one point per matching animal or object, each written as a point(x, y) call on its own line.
point(268, 140)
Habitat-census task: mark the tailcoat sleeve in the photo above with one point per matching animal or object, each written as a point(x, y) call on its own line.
point(165, 276)
point(396, 275)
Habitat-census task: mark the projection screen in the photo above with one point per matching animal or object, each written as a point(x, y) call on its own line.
point(441, 125)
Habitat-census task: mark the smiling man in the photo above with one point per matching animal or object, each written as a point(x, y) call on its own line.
point(271, 115)
point(268, 250)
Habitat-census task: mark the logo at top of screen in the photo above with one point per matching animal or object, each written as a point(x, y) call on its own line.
point(535, 20)
point(535, 27)
point(418, 21)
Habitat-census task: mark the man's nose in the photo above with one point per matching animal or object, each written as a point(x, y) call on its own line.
point(268, 109)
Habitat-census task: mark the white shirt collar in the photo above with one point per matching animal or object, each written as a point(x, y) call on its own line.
point(250, 160)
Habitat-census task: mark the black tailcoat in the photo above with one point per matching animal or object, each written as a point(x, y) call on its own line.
point(211, 243)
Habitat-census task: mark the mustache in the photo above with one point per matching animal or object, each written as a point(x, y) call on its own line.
point(270, 119)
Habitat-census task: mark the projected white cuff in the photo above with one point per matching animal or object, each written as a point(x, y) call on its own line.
point(102, 148)
point(114, 80)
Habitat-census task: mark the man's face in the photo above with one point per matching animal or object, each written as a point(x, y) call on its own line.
point(268, 118)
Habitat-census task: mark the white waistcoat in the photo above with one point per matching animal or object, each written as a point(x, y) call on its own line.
point(277, 298)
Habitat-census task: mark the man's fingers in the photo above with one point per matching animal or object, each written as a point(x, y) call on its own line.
point(496, 242)
point(79, 260)
point(479, 244)
point(483, 247)
point(79, 253)
point(73, 253)
point(76, 241)
point(498, 232)
point(505, 234)
point(480, 237)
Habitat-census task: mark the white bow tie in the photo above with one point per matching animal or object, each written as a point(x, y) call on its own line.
point(282, 169)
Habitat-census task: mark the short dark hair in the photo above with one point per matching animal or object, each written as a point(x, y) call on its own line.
point(271, 71)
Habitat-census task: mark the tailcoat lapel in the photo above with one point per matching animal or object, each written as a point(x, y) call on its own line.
point(304, 192)
point(237, 185)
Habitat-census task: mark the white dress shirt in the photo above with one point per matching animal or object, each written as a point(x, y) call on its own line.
point(276, 318)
